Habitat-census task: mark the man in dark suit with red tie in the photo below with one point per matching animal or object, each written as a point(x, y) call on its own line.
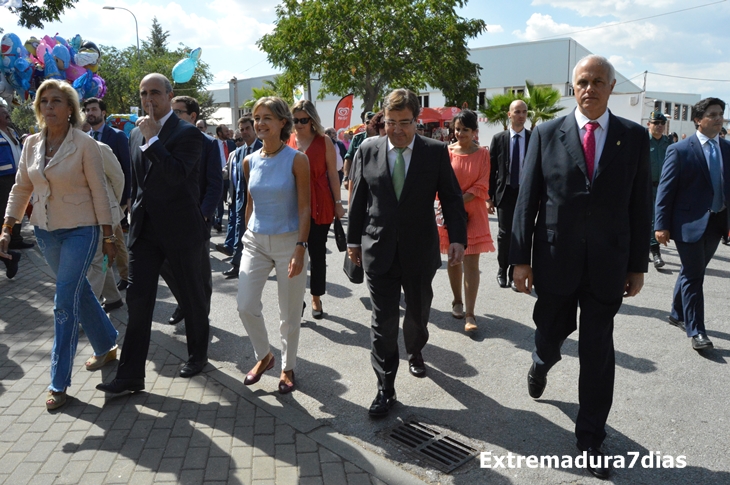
point(507, 153)
point(167, 224)
point(580, 234)
point(691, 208)
point(392, 234)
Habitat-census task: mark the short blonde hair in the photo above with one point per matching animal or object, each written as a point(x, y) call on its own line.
point(72, 98)
point(308, 107)
point(280, 109)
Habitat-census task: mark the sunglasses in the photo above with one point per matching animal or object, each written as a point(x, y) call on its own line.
point(238, 140)
point(302, 121)
point(658, 122)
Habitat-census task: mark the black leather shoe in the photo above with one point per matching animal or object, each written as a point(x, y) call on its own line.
point(658, 261)
point(222, 248)
point(20, 245)
point(191, 368)
point(318, 314)
point(107, 306)
point(122, 285)
point(11, 265)
point(676, 323)
point(536, 381)
point(513, 286)
point(701, 342)
point(416, 366)
point(502, 278)
point(231, 273)
point(603, 468)
point(382, 403)
point(177, 316)
point(118, 386)
point(218, 228)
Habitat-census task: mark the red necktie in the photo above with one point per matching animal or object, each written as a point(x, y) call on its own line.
point(589, 148)
point(225, 148)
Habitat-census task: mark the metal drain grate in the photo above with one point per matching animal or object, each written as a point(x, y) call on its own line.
point(441, 450)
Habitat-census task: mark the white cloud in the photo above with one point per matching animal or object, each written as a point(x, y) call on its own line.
point(494, 28)
point(602, 8)
point(633, 36)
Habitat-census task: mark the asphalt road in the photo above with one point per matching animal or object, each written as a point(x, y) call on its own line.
point(668, 398)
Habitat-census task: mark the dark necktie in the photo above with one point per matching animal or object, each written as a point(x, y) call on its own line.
point(589, 148)
point(514, 169)
point(716, 177)
point(97, 135)
point(399, 172)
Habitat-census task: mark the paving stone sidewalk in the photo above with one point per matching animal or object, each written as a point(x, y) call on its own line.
point(206, 430)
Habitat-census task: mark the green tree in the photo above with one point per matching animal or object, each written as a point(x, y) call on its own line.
point(542, 103)
point(156, 43)
point(122, 71)
point(497, 107)
point(33, 13)
point(367, 48)
point(23, 117)
point(279, 87)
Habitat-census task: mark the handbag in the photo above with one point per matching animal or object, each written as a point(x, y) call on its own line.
point(340, 237)
point(354, 272)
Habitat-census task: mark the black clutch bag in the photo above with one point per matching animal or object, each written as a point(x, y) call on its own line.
point(354, 272)
point(340, 237)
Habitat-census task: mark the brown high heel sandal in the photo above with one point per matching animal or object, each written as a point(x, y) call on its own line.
point(98, 362)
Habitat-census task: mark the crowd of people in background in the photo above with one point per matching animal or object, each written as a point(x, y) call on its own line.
point(583, 205)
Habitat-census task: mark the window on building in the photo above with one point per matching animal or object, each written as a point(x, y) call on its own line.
point(515, 91)
point(657, 105)
point(677, 110)
point(685, 112)
point(423, 99)
point(668, 109)
point(482, 99)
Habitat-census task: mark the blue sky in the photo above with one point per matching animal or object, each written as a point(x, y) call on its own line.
point(694, 43)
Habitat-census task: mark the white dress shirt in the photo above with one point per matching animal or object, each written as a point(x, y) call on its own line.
point(393, 155)
point(162, 122)
point(599, 133)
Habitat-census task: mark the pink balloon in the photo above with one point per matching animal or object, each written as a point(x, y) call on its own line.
point(74, 72)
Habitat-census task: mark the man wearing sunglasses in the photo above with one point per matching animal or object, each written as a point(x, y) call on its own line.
point(658, 144)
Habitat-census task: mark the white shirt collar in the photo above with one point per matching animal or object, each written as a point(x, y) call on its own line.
point(583, 119)
point(164, 119)
point(704, 138)
point(410, 145)
point(512, 132)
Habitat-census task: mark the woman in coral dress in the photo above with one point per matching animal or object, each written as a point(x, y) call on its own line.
point(471, 166)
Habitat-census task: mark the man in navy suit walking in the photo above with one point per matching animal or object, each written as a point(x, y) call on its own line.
point(691, 208)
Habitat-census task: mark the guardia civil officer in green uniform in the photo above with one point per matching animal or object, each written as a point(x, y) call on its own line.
point(658, 144)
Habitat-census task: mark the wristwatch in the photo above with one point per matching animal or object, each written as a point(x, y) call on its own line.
point(110, 239)
point(303, 244)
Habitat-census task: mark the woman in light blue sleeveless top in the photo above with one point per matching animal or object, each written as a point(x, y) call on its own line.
point(278, 215)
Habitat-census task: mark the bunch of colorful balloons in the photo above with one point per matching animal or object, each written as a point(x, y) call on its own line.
point(26, 65)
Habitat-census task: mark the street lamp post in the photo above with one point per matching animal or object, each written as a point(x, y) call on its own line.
point(136, 27)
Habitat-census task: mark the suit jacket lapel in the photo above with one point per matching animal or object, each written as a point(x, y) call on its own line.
point(570, 137)
point(612, 146)
point(411, 174)
point(699, 154)
point(507, 154)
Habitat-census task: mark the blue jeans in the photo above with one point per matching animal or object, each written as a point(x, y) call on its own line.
point(69, 253)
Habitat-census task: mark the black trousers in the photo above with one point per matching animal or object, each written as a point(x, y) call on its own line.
point(505, 214)
point(318, 258)
point(385, 298)
point(555, 318)
point(206, 276)
point(146, 257)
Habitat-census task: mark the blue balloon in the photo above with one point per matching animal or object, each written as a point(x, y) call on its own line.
point(185, 68)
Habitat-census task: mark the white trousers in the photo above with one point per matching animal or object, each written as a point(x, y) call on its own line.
point(261, 254)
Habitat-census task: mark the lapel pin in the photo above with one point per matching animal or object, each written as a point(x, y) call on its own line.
point(618, 143)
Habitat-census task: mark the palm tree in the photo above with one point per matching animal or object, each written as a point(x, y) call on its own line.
point(542, 103)
point(279, 86)
point(497, 107)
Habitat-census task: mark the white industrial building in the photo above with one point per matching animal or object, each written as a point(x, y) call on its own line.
point(505, 68)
